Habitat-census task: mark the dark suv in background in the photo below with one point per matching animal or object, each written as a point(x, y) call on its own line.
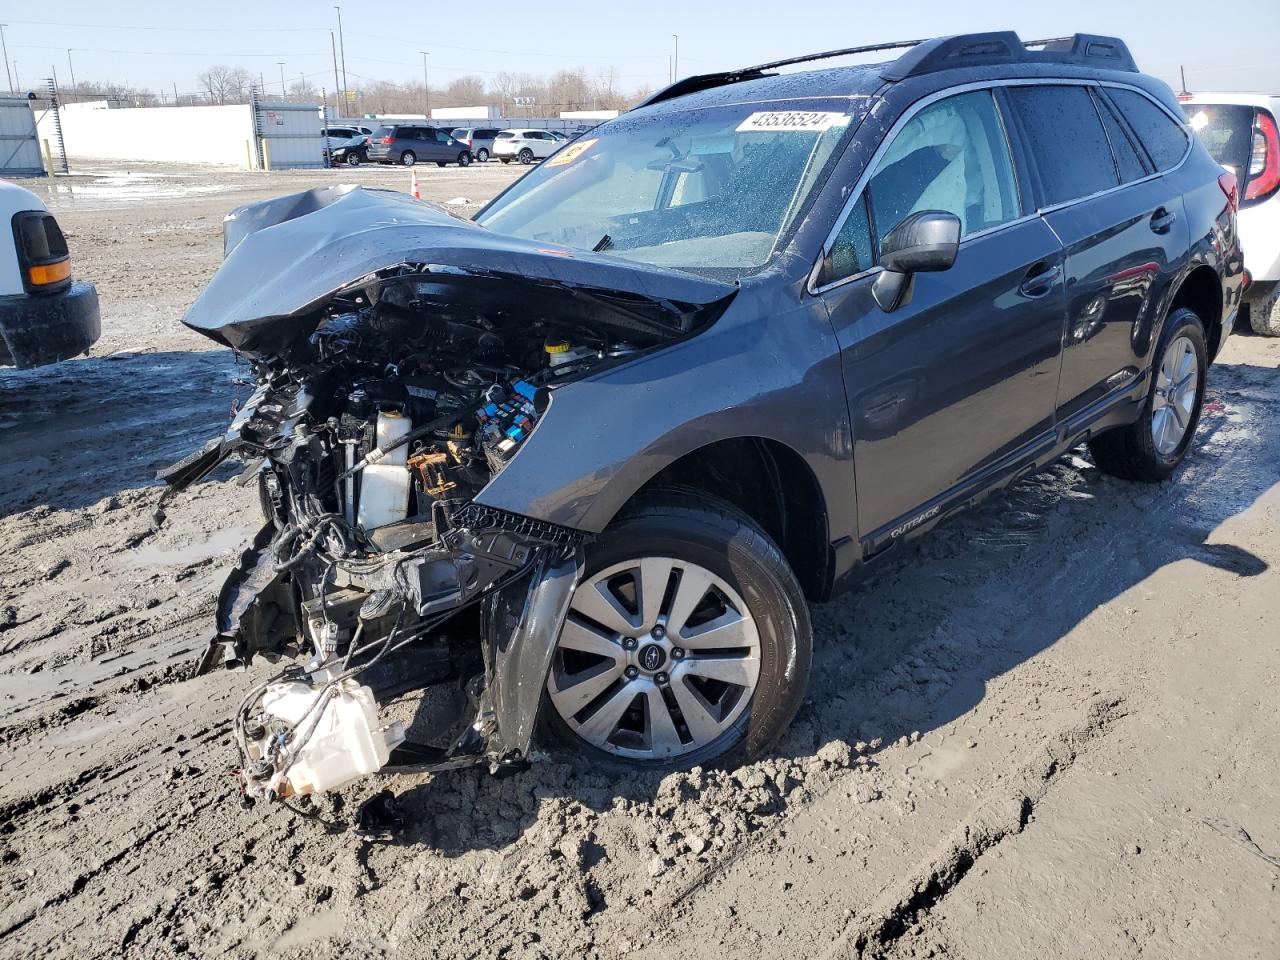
point(697, 368)
point(410, 143)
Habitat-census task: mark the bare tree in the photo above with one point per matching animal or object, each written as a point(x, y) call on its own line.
point(304, 90)
point(216, 80)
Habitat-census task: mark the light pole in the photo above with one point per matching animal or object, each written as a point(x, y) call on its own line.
point(675, 58)
point(17, 80)
point(73, 73)
point(4, 47)
point(283, 93)
point(342, 50)
point(426, 87)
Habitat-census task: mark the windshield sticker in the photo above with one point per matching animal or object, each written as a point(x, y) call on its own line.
point(803, 120)
point(571, 153)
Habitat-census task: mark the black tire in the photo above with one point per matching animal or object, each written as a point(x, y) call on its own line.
point(353, 159)
point(505, 160)
point(687, 524)
point(1264, 315)
point(408, 158)
point(1130, 452)
point(464, 159)
point(441, 163)
point(482, 155)
point(525, 156)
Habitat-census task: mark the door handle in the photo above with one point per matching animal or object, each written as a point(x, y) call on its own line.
point(1162, 220)
point(1040, 279)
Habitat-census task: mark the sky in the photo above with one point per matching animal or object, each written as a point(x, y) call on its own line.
point(159, 44)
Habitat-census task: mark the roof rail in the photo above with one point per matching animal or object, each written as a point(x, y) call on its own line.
point(705, 81)
point(984, 49)
point(940, 53)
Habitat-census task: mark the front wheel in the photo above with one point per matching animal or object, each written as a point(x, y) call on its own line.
point(525, 156)
point(687, 641)
point(353, 159)
point(464, 159)
point(1150, 449)
point(408, 158)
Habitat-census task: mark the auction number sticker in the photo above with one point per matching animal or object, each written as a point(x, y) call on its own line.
point(800, 120)
point(571, 153)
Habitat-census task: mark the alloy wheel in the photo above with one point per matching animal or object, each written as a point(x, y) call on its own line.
point(1172, 406)
point(658, 657)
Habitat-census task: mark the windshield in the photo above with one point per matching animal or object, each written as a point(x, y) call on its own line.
point(710, 191)
point(1226, 130)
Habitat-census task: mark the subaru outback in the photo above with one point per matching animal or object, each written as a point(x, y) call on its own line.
point(591, 454)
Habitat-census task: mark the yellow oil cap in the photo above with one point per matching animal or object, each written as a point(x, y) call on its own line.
point(559, 346)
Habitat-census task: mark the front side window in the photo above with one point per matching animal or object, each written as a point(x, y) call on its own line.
point(1163, 136)
point(953, 156)
point(1066, 139)
point(709, 190)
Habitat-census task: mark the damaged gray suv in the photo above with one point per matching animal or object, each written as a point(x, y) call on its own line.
point(589, 456)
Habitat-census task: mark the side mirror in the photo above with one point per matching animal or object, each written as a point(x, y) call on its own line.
point(925, 241)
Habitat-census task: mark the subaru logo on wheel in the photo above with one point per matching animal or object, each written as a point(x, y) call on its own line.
point(652, 657)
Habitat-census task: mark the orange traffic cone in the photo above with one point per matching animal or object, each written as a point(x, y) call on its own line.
point(413, 185)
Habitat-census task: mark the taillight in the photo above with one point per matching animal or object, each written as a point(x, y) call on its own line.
point(1228, 184)
point(1264, 159)
point(42, 252)
point(386, 140)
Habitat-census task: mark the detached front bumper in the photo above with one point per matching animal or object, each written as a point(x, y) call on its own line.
point(37, 330)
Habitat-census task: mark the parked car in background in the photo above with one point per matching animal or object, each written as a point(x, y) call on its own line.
point(1240, 131)
point(560, 135)
point(337, 136)
point(525, 145)
point(479, 140)
point(410, 143)
point(350, 153)
point(45, 316)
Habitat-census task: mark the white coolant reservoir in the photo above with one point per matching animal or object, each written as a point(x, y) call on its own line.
point(347, 742)
point(384, 486)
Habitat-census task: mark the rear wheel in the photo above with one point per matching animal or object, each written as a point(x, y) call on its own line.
point(525, 155)
point(505, 159)
point(687, 641)
point(408, 158)
point(1264, 315)
point(1150, 449)
point(482, 155)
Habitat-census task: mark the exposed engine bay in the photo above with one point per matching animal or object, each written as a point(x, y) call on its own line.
point(380, 413)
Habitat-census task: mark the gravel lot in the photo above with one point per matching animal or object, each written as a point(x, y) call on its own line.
point(1048, 731)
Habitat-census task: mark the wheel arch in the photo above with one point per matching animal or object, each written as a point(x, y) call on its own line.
point(773, 485)
point(1201, 292)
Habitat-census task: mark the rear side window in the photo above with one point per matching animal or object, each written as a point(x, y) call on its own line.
point(1128, 162)
point(1163, 137)
point(952, 156)
point(485, 134)
point(1066, 139)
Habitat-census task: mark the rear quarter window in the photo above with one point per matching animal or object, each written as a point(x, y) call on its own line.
point(1066, 139)
point(1163, 136)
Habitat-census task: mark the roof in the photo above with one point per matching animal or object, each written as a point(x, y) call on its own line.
point(1245, 99)
point(975, 52)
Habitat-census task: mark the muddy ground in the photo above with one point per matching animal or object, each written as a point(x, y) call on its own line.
point(1051, 730)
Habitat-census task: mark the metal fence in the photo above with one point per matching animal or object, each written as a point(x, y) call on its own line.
point(288, 135)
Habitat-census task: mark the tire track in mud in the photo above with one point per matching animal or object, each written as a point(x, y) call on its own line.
point(921, 887)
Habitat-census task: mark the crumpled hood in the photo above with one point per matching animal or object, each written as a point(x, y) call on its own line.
point(287, 257)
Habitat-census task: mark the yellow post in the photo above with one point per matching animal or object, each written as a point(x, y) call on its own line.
point(48, 157)
point(266, 154)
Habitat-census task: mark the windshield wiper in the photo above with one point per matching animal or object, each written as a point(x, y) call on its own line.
point(605, 243)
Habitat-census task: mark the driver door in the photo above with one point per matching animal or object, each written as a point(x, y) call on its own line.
point(955, 388)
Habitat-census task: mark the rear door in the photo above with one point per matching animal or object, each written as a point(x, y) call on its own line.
point(956, 388)
point(1122, 226)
